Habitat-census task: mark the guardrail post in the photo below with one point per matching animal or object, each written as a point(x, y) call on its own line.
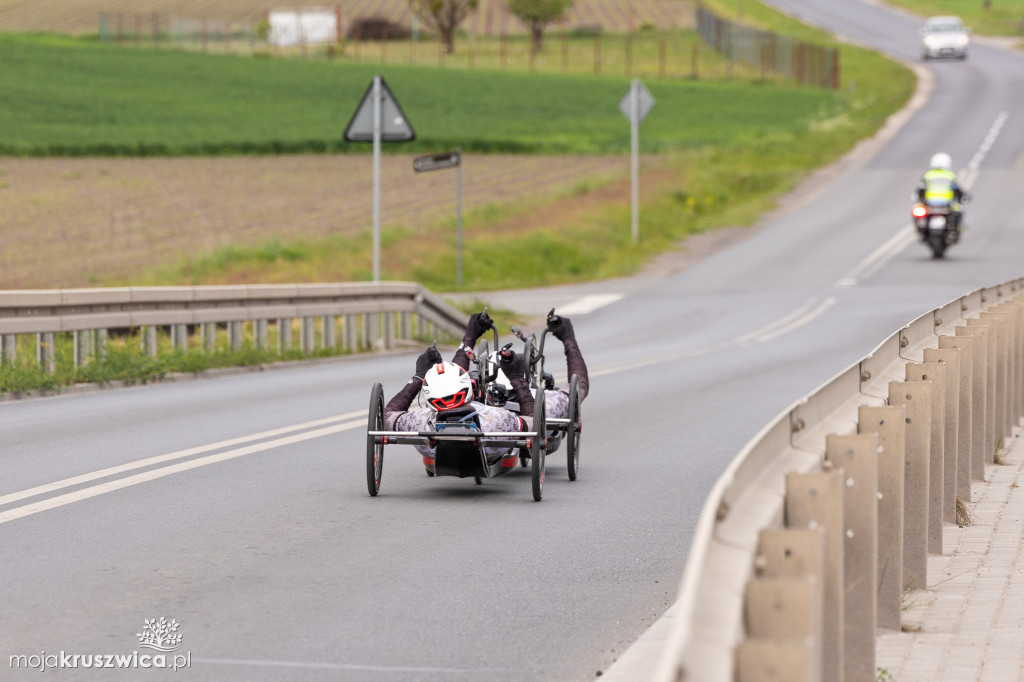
point(208, 335)
point(815, 500)
point(915, 397)
point(350, 333)
point(965, 413)
point(9, 344)
point(936, 375)
point(307, 335)
point(1010, 314)
point(889, 425)
point(949, 357)
point(856, 457)
point(793, 650)
point(371, 331)
point(259, 333)
point(389, 330)
point(993, 407)
point(403, 326)
point(235, 334)
point(148, 341)
point(284, 335)
point(1003, 372)
point(82, 344)
point(981, 434)
point(179, 336)
point(45, 359)
point(102, 336)
point(329, 331)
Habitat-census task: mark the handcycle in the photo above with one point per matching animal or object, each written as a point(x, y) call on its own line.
point(459, 445)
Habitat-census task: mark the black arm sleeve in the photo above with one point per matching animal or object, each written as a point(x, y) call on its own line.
point(462, 357)
point(521, 391)
point(575, 365)
point(403, 399)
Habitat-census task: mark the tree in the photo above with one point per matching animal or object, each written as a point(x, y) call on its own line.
point(537, 14)
point(443, 16)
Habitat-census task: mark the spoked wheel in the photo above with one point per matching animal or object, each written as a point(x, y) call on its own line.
point(572, 436)
point(375, 450)
point(539, 447)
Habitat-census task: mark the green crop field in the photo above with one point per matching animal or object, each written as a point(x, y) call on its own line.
point(1000, 18)
point(69, 97)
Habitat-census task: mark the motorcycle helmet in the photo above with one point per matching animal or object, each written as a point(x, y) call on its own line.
point(942, 161)
point(446, 386)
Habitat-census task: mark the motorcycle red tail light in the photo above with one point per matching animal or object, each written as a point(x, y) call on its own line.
point(920, 211)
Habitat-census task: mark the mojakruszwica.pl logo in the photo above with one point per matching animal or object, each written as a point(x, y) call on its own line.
point(160, 636)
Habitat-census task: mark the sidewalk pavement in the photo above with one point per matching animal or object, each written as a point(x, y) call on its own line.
point(968, 624)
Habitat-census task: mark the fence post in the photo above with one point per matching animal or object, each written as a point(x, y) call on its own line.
point(915, 397)
point(102, 336)
point(209, 334)
point(694, 59)
point(597, 54)
point(235, 334)
point(1006, 370)
point(307, 336)
point(259, 333)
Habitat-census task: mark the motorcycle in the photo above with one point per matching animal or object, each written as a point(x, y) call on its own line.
point(938, 225)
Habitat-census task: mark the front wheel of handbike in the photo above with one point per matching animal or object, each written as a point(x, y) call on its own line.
point(538, 448)
point(375, 444)
point(572, 436)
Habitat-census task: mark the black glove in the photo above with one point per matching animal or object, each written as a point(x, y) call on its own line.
point(475, 328)
point(426, 360)
point(513, 364)
point(561, 327)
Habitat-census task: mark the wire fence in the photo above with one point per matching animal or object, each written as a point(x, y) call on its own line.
point(806, 63)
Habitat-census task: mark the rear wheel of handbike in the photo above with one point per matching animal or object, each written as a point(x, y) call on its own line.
point(375, 450)
point(539, 447)
point(572, 435)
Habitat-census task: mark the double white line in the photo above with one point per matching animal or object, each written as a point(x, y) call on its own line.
point(110, 486)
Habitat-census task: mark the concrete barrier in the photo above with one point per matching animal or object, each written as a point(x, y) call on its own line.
point(871, 465)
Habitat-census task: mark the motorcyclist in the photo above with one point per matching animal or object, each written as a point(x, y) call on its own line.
point(938, 187)
point(447, 388)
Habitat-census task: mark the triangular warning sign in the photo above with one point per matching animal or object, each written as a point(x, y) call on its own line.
point(394, 126)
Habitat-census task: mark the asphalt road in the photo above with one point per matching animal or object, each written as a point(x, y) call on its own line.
point(255, 533)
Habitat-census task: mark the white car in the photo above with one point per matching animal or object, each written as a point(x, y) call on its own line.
point(944, 37)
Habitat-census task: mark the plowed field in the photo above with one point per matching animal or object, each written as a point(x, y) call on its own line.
point(490, 18)
point(78, 222)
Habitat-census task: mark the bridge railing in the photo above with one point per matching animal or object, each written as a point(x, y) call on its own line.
point(821, 526)
point(367, 315)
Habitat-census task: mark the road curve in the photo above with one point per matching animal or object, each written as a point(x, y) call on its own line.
point(237, 506)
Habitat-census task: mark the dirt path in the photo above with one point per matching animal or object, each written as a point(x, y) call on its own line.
point(76, 222)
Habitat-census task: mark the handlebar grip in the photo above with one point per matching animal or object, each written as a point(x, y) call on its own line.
point(485, 319)
point(554, 320)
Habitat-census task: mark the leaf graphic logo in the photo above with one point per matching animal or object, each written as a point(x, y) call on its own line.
point(160, 635)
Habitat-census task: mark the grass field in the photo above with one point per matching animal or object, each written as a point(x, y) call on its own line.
point(1001, 18)
point(77, 98)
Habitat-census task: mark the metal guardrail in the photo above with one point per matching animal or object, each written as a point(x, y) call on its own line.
point(808, 541)
point(371, 308)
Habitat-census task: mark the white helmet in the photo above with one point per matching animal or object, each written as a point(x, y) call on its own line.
point(942, 161)
point(446, 386)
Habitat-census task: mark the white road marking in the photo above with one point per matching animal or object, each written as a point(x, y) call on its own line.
point(747, 338)
point(588, 304)
point(879, 257)
point(178, 454)
point(970, 174)
point(110, 486)
point(800, 321)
